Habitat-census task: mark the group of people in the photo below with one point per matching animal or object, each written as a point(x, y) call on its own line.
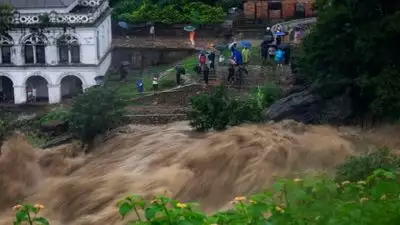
point(206, 63)
point(273, 49)
point(239, 60)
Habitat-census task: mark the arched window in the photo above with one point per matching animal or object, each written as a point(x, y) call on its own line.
point(5, 49)
point(34, 49)
point(68, 49)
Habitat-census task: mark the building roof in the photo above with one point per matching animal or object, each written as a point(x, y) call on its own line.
point(37, 4)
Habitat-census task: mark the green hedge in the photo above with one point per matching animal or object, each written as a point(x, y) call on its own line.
point(195, 13)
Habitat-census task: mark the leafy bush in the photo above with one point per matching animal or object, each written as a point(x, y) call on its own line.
point(167, 83)
point(218, 111)
point(357, 167)
point(358, 52)
point(175, 12)
point(4, 129)
point(94, 112)
point(28, 214)
point(210, 111)
point(6, 126)
point(266, 95)
point(312, 200)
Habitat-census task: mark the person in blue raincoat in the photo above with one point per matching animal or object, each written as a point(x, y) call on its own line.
point(140, 86)
point(237, 57)
point(280, 57)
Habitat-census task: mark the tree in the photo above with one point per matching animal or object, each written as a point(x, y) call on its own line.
point(5, 15)
point(172, 12)
point(95, 112)
point(354, 42)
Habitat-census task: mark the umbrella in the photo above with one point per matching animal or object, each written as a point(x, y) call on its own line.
point(245, 44)
point(280, 33)
point(232, 44)
point(189, 28)
point(283, 46)
point(125, 63)
point(123, 24)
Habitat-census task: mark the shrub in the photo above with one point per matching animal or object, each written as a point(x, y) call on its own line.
point(266, 95)
point(175, 12)
point(5, 127)
point(210, 111)
point(357, 167)
point(28, 214)
point(218, 111)
point(312, 200)
point(94, 112)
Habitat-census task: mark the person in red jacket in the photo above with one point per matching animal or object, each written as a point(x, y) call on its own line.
point(202, 59)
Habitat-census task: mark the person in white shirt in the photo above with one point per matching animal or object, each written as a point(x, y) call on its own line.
point(153, 32)
point(155, 83)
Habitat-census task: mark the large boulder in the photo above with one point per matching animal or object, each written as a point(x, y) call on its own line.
point(310, 107)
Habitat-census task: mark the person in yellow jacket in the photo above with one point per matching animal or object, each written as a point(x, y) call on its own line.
point(246, 55)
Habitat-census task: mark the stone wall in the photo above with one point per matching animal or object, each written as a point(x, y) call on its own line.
point(177, 97)
point(177, 30)
point(146, 57)
point(156, 119)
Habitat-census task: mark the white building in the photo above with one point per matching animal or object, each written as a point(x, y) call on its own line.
point(56, 48)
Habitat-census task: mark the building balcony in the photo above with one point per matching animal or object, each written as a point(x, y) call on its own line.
point(86, 12)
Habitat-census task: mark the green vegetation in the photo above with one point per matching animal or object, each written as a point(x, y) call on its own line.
point(169, 12)
point(5, 14)
point(4, 129)
point(352, 45)
point(218, 110)
point(95, 112)
point(358, 167)
point(58, 114)
point(311, 200)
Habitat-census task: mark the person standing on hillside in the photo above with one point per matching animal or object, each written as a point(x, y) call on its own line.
point(155, 83)
point(264, 50)
point(280, 57)
point(246, 55)
point(179, 71)
point(153, 32)
point(192, 36)
point(202, 59)
point(206, 74)
point(211, 57)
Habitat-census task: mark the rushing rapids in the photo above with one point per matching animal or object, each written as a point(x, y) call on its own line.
point(208, 168)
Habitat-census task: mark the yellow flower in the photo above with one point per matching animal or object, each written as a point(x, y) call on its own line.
point(297, 180)
point(181, 205)
point(240, 198)
point(363, 199)
point(383, 197)
point(361, 182)
point(16, 207)
point(345, 182)
point(38, 206)
point(279, 209)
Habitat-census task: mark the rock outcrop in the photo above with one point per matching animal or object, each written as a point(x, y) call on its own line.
point(310, 107)
point(307, 103)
